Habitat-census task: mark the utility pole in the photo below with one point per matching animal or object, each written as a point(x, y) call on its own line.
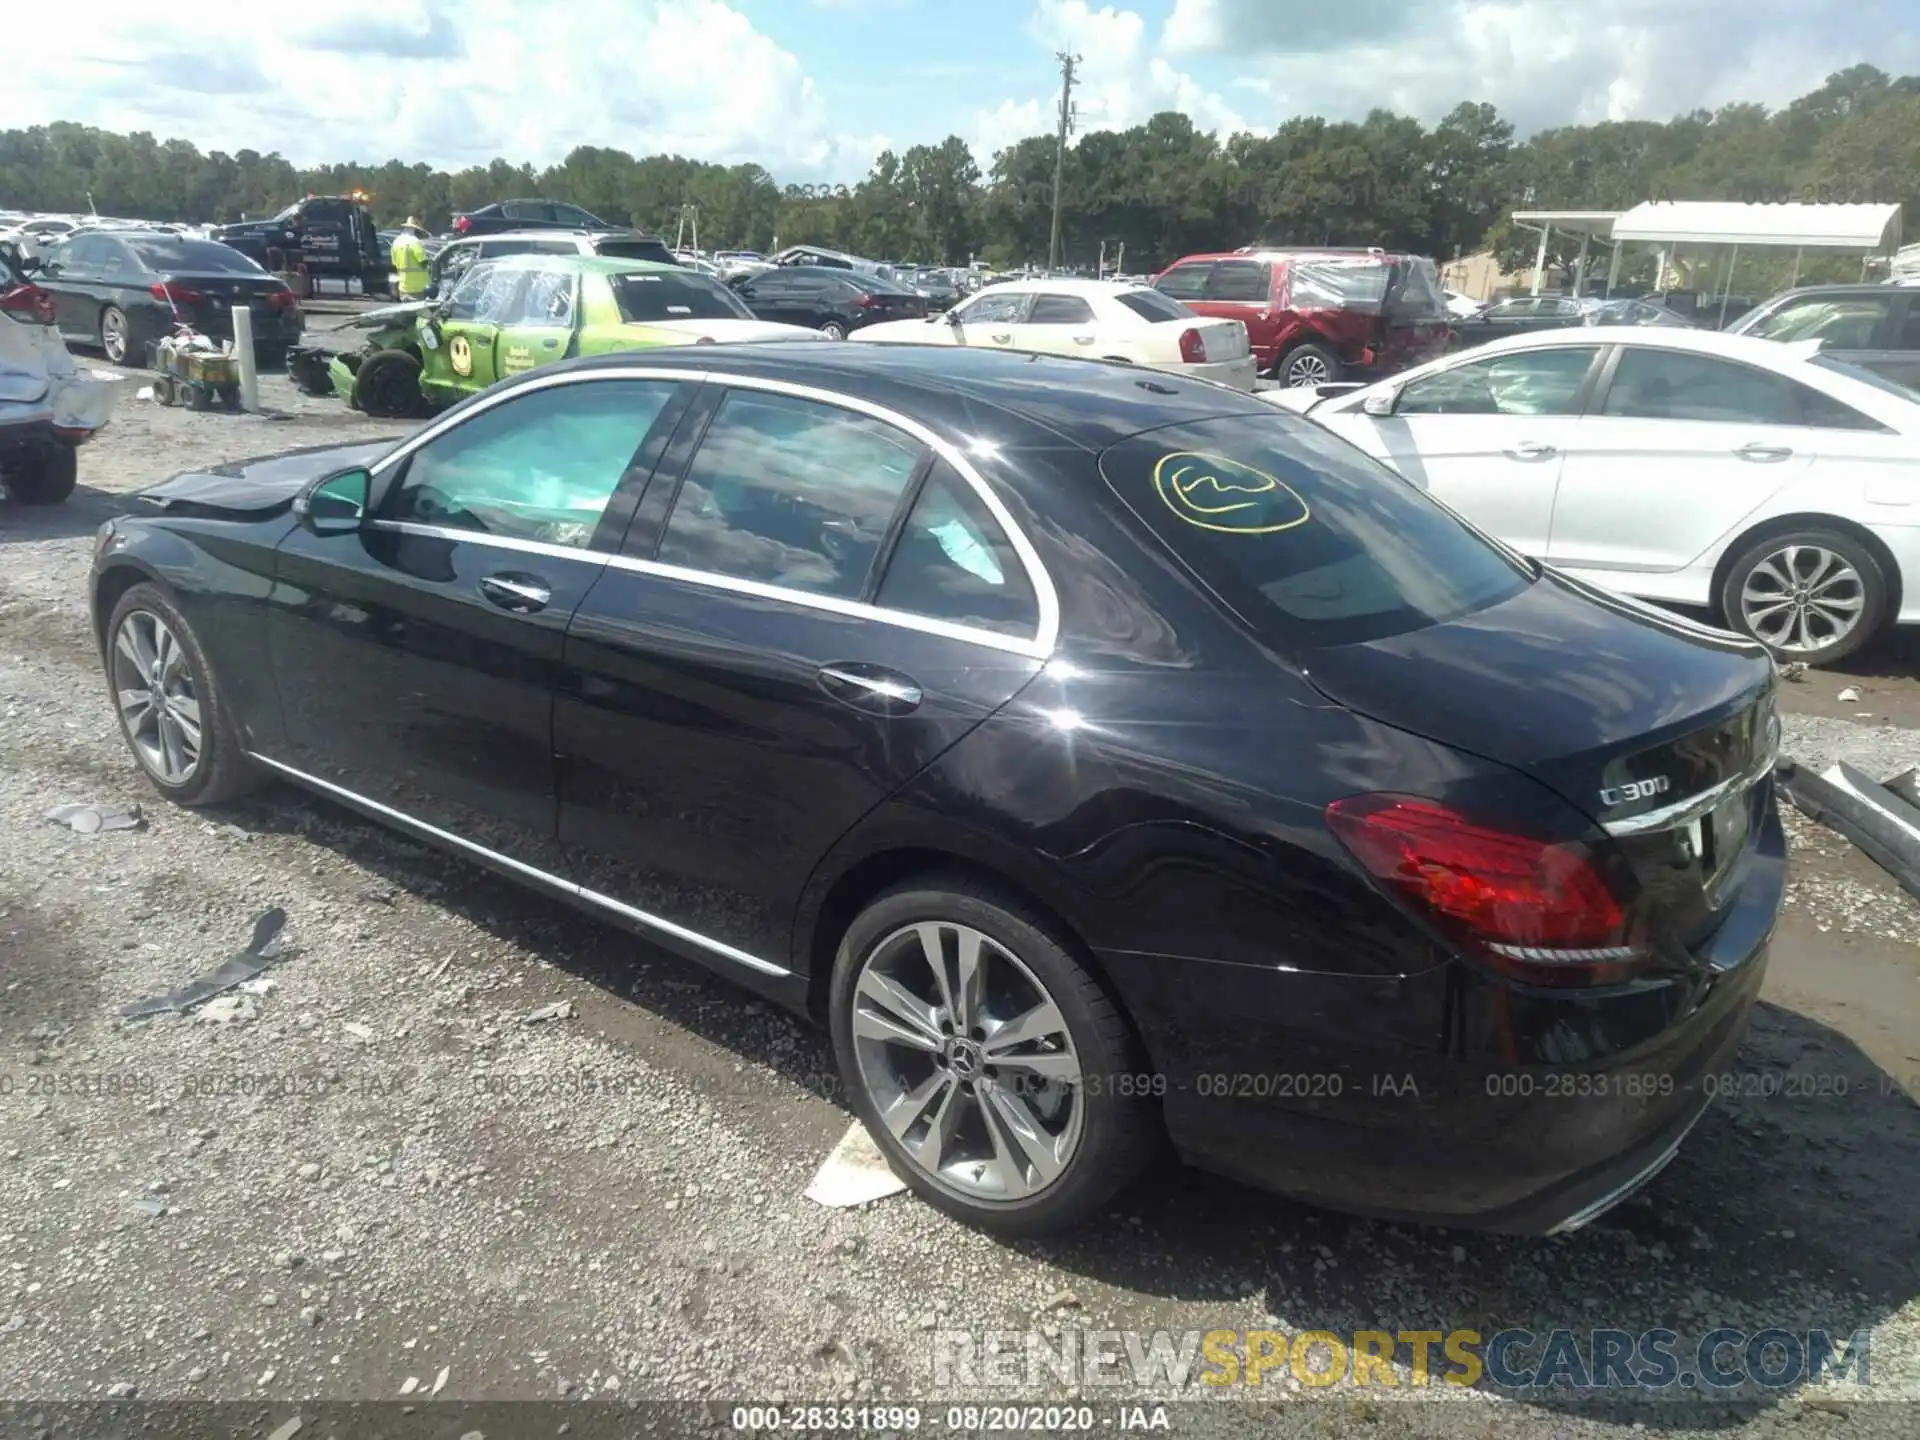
point(1067, 62)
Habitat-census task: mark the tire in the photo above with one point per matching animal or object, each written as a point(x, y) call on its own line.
point(163, 390)
point(220, 770)
point(45, 476)
point(1107, 1137)
point(121, 341)
point(1823, 577)
point(387, 385)
point(833, 330)
point(1308, 365)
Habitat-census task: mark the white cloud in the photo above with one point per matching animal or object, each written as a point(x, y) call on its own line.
point(1120, 81)
point(449, 83)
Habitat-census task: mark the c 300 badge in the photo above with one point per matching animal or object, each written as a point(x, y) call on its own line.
point(460, 355)
point(1228, 496)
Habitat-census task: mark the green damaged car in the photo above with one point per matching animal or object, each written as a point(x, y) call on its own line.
point(513, 314)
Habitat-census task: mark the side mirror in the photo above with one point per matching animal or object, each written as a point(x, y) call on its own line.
point(336, 505)
point(1380, 404)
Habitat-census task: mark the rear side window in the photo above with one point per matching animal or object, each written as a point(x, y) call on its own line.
point(1152, 306)
point(1531, 382)
point(1304, 535)
point(1339, 283)
point(790, 492)
point(953, 562)
point(1060, 310)
point(1248, 281)
point(635, 250)
point(1654, 384)
point(1184, 282)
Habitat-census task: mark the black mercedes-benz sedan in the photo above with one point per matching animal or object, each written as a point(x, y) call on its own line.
point(1104, 757)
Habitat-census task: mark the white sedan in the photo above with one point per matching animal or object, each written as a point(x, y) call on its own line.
point(1094, 319)
point(1777, 486)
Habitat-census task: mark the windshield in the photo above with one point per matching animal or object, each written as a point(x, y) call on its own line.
point(634, 250)
point(199, 256)
point(1303, 534)
point(1866, 377)
point(647, 298)
point(1846, 322)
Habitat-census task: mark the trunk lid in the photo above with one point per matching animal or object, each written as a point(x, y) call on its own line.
point(1222, 339)
point(1663, 732)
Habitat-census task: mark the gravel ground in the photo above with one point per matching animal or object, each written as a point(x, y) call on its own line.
point(375, 1177)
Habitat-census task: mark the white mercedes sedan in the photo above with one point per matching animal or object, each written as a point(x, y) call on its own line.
point(1094, 319)
point(1776, 486)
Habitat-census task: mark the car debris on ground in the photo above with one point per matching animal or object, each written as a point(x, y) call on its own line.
point(91, 819)
point(263, 950)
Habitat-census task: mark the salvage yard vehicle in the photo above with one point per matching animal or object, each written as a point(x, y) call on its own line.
point(830, 299)
point(505, 215)
point(1092, 319)
point(1320, 316)
point(124, 290)
point(1876, 327)
point(454, 259)
point(1063, 736)
point(329, 236)
point(1770, 482)
point(48, 406)
point(506, 316)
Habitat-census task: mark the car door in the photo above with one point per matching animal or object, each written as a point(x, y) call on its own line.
point(1485, 434)
point(1675, 449)
point(1058, 324)
point(770, 297)
point(468, 323)
point(990, 319)
point(416, 660)
point(747, 680)
point(540, 327)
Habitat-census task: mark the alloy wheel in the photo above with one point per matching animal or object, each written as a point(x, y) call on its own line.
point(113, 336)
point(159, 706)
point(833, 330)
point(968, 1061)
point(1802, 598)
point(1304, 370)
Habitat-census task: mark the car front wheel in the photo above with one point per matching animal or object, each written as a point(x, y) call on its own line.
point(172, 711)
point(992, 1070)
point(1811, 595)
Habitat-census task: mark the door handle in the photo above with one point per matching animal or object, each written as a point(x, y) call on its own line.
point(1531, 450)
point(1083, 339)
point(1001, 337)
point(523, 594)
point(868, 687)
point(1764, 453)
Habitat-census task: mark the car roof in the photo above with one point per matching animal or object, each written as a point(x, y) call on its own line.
point(1088, 403)
point(1704, 342)
point(1844, 287)
point(554, 232)
point(1069, 286)
point(587, 264)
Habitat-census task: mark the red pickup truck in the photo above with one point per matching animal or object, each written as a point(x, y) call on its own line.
point(1319, 315)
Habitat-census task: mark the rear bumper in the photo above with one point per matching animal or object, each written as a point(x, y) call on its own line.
point(1540, 1113)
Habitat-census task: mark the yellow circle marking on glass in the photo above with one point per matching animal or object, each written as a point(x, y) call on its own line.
point(1213, 492)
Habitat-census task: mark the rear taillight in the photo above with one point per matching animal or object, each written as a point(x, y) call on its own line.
point(865, 302)
point(282, 300)
point(706, 340)
point(1193, 350)
point(174, 293)
point(1537, 911)
point(28, 304)
point(462, 224)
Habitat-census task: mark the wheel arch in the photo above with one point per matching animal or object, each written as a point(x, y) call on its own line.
point(113, 582)
point(1808, 520)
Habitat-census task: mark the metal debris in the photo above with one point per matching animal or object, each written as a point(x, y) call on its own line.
point(262, 951)
point(855, 1173)
point(559, 1010)
point(1848, 694)
point(90, 819)
point(1795, 670)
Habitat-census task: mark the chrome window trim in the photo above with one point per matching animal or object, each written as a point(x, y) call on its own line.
point(1046, 599)
point(640, 917)
point(596, 558)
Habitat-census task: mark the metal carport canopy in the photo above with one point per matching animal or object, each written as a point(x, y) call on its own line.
point(1718, 222)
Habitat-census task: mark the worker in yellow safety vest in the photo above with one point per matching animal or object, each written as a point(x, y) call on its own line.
point(409, 258)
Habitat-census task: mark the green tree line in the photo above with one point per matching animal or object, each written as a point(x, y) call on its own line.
point(1161, 189)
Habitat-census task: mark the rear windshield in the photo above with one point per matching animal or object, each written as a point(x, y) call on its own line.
point(634, 250)
point(1301, 532)
point(1152, 306)
point(646, 299)
point(203, 256)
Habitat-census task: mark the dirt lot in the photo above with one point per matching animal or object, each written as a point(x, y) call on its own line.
point(377, 1174)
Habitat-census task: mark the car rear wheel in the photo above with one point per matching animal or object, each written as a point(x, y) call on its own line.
point(387, 385)
point(1309, 365)
point(117, 339)
point(834, 330)
point(44, 476)
point(1812, 595)
point(998, 1078)
point(172, 711)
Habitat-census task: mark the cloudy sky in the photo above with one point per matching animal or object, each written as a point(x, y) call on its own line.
point(813, 88)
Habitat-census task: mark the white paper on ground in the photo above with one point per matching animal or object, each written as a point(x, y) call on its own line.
point(856, 1173)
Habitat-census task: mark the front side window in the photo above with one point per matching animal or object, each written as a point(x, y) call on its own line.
point(990, 309)
point(485, 296)
point(1654, 384)
point(648, 297)
point(1302, 534)
point(574, 215)
point(953, 562)
point(1184, 282)
point(547, 299)
point(1060, 310)
point(537, 211)
point(1533, 382)
point(1844, 322)
point(789, 492)
point(541, 466)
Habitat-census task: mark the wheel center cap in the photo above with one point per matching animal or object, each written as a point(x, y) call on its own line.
point(964, 1057)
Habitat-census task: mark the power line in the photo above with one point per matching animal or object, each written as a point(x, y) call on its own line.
point(1067, 62)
